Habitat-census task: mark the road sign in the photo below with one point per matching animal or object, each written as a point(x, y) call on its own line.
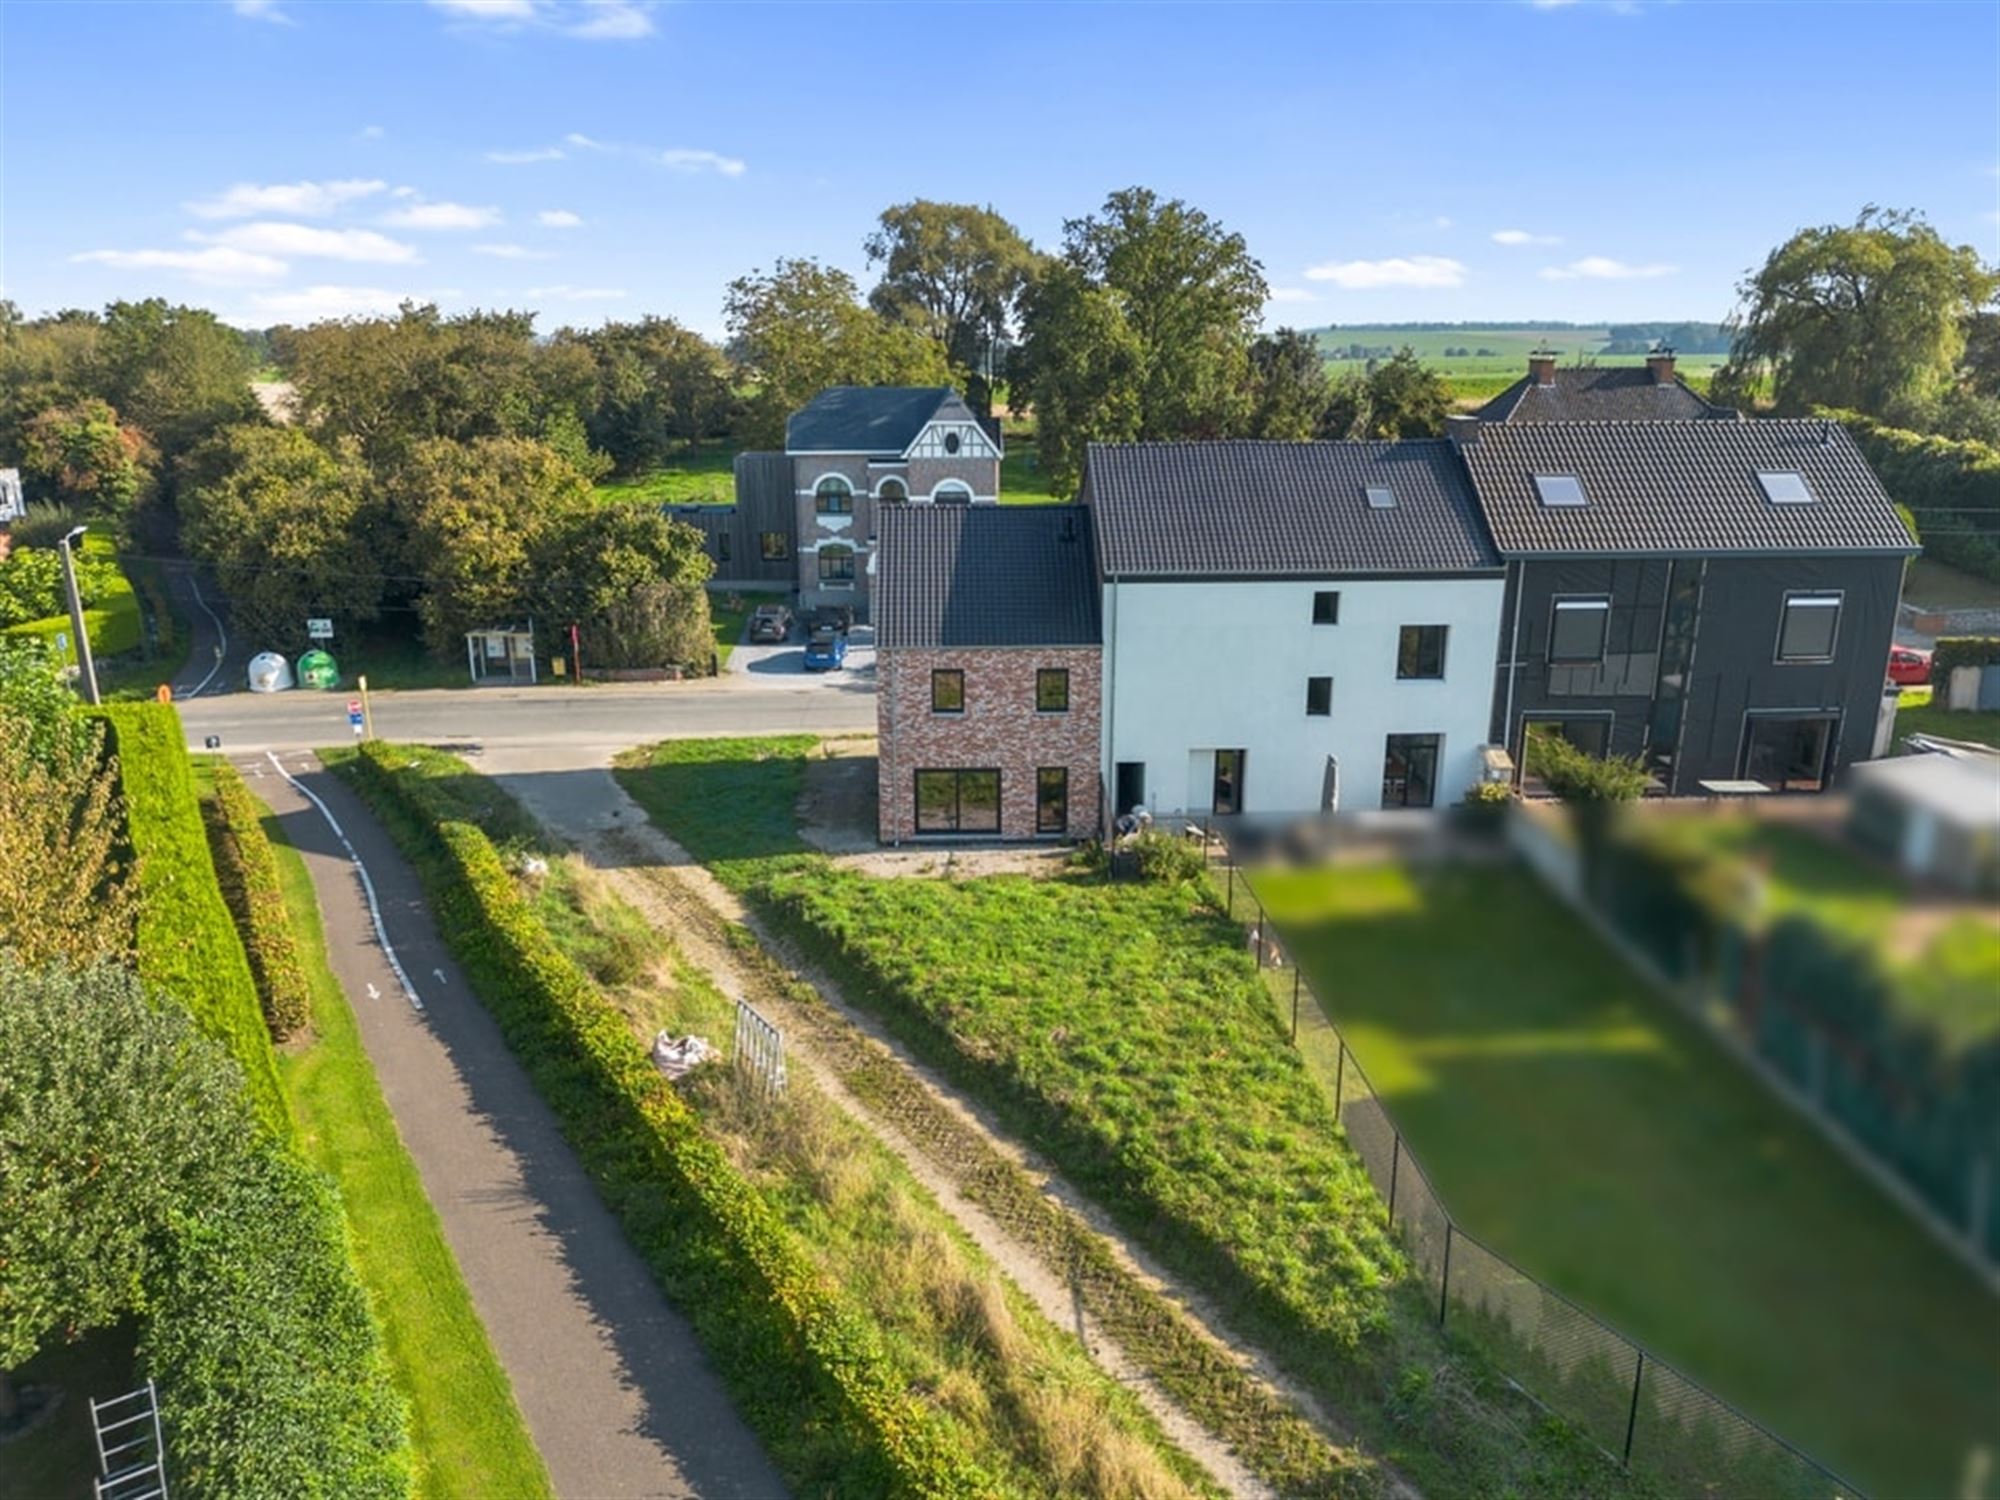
point(319, 630)
point(354, 710)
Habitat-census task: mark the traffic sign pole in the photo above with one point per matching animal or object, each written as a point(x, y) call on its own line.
point(367, 714)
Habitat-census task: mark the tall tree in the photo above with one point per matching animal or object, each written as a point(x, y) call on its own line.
point(177, 372)
point(288, 528)
point(955, 272)
point(656, 385)
point(1291, 387)
point(85, 457)
point(1405, 398)
point(801, 328)
point(1141, 329)
point(44, 362)
point(631, 580)
point(1869, 316)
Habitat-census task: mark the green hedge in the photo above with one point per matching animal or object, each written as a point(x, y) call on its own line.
point(1951, 487)
point(248, 874)
point(271, 1370)
point(112, 619)
point(805, 1364)
point(188, 944)
point(1962, 651)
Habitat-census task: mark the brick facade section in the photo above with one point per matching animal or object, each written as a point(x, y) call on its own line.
point(999, 728)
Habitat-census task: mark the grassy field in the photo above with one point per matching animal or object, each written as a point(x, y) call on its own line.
point(1585, 1128)
point(1916, 714)
point(1022, 481)
point(466, 1432)
point(704, 475)
point(1501, 349)
point(1938, 585)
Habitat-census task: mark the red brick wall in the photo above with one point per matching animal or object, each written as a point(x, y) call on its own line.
point(999, 728)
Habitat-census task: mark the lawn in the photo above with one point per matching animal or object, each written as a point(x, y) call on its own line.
point(1584, 1127)
point(1022, 481)
point(1938, 585)
point(467, 1434)
point(1917, 714)
point(703, 475)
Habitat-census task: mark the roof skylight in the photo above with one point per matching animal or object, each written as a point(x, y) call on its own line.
point(1559, 489)
point(1380, 497)
point(1784, 487)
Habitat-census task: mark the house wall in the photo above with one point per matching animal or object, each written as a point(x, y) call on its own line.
point(999, 728)
point(1735, 671)
point(1199, 666)
point(732, 536)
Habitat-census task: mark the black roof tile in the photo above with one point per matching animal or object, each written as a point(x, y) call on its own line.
point(870, 418)
point(984, 575)
point(1610, 394)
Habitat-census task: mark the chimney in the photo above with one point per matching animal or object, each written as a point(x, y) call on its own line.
point(1542, 366)
point(1462, 428)
point(1660, 364)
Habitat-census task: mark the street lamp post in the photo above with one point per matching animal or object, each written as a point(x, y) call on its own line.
point(83, 661)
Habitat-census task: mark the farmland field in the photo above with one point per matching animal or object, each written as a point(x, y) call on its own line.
point(1496, 349)
point(1586, 1129)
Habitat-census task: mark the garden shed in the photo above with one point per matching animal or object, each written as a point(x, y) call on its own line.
point(504, 653)
point(1937, 816)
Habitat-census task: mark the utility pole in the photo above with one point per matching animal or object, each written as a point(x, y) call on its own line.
point(84, 663)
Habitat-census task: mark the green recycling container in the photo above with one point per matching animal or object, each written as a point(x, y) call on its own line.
point(317, 669)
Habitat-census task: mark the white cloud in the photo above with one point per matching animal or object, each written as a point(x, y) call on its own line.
point(261, 10)
point(442, 216)
point(1442, 221)
point(310, 240)
point(370, 133)
point(563, 292)
point(312, 199)
point(489, 10)
point(513, 252)
point(682, 159)
point(611, 21)
point(585, 143)
point(558, 218)
point(1291, 294)
point(521, 158)
point(586, 20)
point(1524, 237)
point(308, 304)
point(1400, 270)
point(1604, 268)
point(218, 265)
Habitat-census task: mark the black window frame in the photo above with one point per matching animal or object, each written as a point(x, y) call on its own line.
point(1404, 653)
point(722, 546)
point(1319, 697)
point(958, 775)
point(960, 493)
point(1434, 743)
point(1326, 606)
point(837, 579)
point(952, 674)
point(1597, 604)
point(1809, 599)
point(821, 493)
point(1045, 676)
point(1043, 800)
point(774, 546)
point(902, 487)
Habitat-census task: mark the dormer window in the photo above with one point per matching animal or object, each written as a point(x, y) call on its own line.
point(1785, 487)
point(1380, 497)
point(1559, 489)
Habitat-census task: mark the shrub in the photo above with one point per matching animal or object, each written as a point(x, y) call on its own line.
point(807, 1365)
point(1167, 859)
point(1951, 487)
point(1962, 651)
point(45, 524)
point(188, 946)
point(247, 873)
point(1576, 776)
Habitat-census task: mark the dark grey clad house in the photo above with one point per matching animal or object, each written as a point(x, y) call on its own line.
point(1716, 596)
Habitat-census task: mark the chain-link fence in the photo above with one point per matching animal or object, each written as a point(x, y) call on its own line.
point(1643, 1412)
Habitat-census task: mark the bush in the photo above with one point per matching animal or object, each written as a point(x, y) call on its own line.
point(1951, 487)
point(1962, 651)
point(271, 1371)
point(806, 1365)
point(45, 524)
point(247, 873)
point(1167, 859)
point(1576, 776)
point(188, 945)
point(111, 608)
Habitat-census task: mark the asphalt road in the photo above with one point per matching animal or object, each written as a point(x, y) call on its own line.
point(614, 1386)
point(590, 722)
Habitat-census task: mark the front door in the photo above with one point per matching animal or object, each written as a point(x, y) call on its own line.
point(1228, 792)
point(1131, 788)
point(1788, 753)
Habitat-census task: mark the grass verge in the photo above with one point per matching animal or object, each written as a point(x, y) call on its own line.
point(1916, 713)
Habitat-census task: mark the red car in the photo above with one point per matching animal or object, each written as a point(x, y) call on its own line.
point(1909, 667)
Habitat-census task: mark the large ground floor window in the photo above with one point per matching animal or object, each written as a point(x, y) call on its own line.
point(1052, 799)
point(1409, 770)
point(1590, 733)
point(1788, 752)
point(958, 802)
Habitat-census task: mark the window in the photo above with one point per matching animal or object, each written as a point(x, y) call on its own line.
point(1576, 630)
point(958, 802)
point(1559, 489)
point(1788, 752)
point(1409, 770)
point(1326, 607)
point(1808, 627)
point(1785, 488)
point(836, 567)
point(1590, 735)
point(951, 442)
point(834, 497)
point(774, 545)
point(1052, 799)
point(1052, 690)
point(1380, 497)
point(1227, 790)
point(1319, 697)
point(893, 489)
point(951, 492)
point(1420, 652)
point(948, 691)
point(722, 546)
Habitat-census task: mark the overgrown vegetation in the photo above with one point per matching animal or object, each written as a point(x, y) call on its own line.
point(247, 873)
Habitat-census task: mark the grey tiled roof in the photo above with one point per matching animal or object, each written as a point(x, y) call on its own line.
point(870, 418)
point(1679, 487)
point(1276, 510)
point(1610, 394)
point(984, 575)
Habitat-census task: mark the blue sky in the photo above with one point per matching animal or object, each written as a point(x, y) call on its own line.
point(280, 160)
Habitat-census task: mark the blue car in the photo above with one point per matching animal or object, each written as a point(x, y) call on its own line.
point(826, 651)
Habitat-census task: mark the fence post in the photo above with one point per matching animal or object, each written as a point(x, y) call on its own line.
point(1260, 935)
point(1395, 1161)
point(1632, 1416)
point(1339, 1077)
point(1295, 1014)
point(1230, 900)
point(1444, 1281)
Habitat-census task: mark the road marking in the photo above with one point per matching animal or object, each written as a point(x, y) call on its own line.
point(221, 634)
point(440, 975)
point(367, 884)
point(373, 993)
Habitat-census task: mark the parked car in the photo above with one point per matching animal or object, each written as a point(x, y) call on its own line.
point(1909, 666)
point(770, 623)
point(826, 650)
point(838, 617)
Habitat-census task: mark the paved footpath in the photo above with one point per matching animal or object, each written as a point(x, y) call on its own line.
point(614, 1386)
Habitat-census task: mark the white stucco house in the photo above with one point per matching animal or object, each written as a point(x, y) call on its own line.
point(1291, 627)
